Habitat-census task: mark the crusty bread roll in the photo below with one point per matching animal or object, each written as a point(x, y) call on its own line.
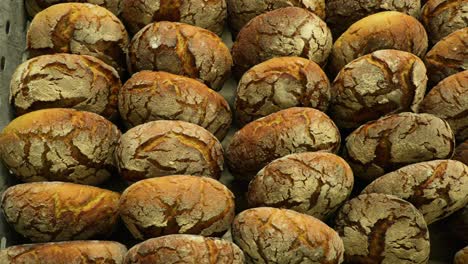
point(149, 96)
point(461, 257)
point(76, 252)
point(68, 81)
point(60, 145)
point(281, 83)
point(35, 6)
point(77, 28)
point(59, 211)
point(384, 30)
point(181, 49)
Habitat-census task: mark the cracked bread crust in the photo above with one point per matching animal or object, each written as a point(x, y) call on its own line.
point(448, 56)
point(174, 249)
point(278, 84)
point(294, 130)
point(77, 28)
point(161, 148)
point(60, 145)
point(149, 96)
point(270, 235)
point(35, 6)
point(461, 153)
point(442, 17)
point(394, 141)
point(461, 257)
point(383, 82)
point(82, 252)
point(384, 30)
point(207, 14)
point(436, 188)
point(313, 183)
point(289, 31)
point(65, 81)
point(183, 50)
point(381, 228)
point(449, 101)
point(58, 211)
point(178, 204)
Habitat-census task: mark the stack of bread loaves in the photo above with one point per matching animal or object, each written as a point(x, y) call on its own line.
point(343, 145)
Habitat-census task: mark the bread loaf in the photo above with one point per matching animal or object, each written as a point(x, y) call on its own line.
point(461, 153)
point(461, 257)
point(60, 145)
point(35, 6)
point(383, 82)
point(281, 83)
point(58, 211)
point(77, 28)
point(181, 49)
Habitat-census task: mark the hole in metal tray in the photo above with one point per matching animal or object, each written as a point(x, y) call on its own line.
point(7, 27)
point(2, 63)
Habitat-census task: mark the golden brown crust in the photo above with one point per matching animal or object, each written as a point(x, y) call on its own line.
point(77, 28)
point(178, 204)
point(313, 183)
point(181, 49)
point(461, 257)
point(160, 148)
point(76, 252)
point(394, 141)
point(270, 235)
point(384, 30)
point(60, 145)
point(35, 6)
point(381, 228)
point(289, 31)
point(383, 82)
point(174, 249)
point(149, 96)
point(65, 81)
point(461, 153)
point(294, 130)
point(58, 211)
point(208, 14)
point(281, 83)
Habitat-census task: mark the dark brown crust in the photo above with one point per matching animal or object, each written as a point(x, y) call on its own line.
point(384, 30)
point(149, 96)
point(461, 153)
point(449, 101)
point(313, 183)
point(58, 211)
point(281, 83)
point(174, 249)
point(35, 6)
point(65, 81)
point(383, 82)
point(82, 252)
point(289, 31)
point(181, 49)
point(461, 257)
point(457, 223)
point(293, 130)
point(160, 148)
point(394, 141)
point(60, 145)
point(270, 235)
point(178, 204)
point(380, 228)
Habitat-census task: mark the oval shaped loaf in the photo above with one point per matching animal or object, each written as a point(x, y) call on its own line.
point(384, 30)
point(289, 31)
point(60, 145)
point(181, 49)
point(178, 204)
point(281, 83)
point(270, 235)
point(381, 228)
point(383, 82)
point(58, 211)
point(394, 141)
point(313, 183)
point(164, 147)
point(210, 14)
point(77, 28)
point(293, 130)
point(81, 252)
point(65, 80)
point(35, 6)
point(149, 96)
point(174, 249)
point(437, 188)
